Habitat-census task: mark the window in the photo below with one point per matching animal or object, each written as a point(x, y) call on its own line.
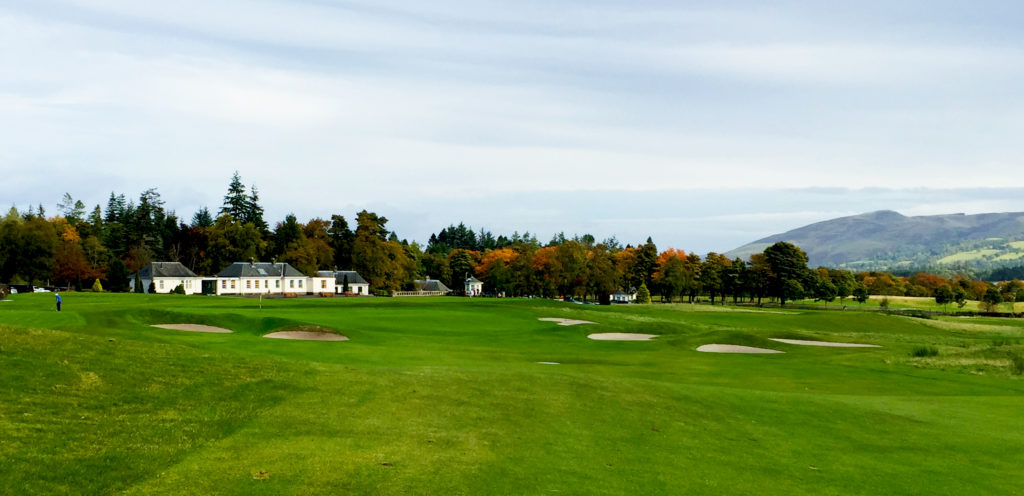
point(161, 285)
point(224, 285)
point(291, 284)
point(277, 284)
point(359, 290)
point(232, 284)
point(300, 283)
point(323, 284)
point(257, 284)
point(248, 284)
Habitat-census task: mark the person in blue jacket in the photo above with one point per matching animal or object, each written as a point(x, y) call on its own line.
point(58, 302)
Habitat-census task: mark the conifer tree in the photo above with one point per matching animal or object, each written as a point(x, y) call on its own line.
point(236, 202)
point(643, 295)
point(202, 218)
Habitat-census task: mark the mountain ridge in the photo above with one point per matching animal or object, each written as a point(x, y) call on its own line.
point(886, 240)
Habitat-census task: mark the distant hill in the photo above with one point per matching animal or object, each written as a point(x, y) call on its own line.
point(887, 240)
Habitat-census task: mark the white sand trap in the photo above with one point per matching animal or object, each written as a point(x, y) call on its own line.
point(194, 328)
point(549, 363)
point(622, 336)
point(803, 342)
point(566, 322)
point(306, 336)
point(734, 348)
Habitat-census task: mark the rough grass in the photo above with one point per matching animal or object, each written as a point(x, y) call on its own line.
point(444, 396)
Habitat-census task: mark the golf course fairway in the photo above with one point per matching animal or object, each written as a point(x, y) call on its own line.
point(480, 396)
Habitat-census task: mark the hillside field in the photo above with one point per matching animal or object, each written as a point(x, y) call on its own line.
point(449, 396)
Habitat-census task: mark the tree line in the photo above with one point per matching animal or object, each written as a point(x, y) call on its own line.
point(78, 247)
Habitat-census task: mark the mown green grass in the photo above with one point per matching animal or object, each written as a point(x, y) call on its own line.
point(445, 396)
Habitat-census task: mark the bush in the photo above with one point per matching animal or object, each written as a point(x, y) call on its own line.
point(1016, 364)
point(643, 295)
point(179, 289)
point(884, 304)
point(924, 351)
point(4, 291)
point(913, 312)
point(97, 287)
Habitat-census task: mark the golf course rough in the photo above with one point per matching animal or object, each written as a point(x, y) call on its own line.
point(445, 396)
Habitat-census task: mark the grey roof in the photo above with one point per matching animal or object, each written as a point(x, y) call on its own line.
point(261, 269)
point(473, 279)
point(353, 277)
point(430, 285)
point(165, 269)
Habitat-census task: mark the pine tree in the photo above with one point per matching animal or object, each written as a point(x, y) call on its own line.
point(202, 218)
point(236, 202)
point(254, 212)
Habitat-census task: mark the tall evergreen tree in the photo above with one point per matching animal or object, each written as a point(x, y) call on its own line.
point(254, 212)
point(787, 263)
point(236, 202)
point(202, 218)
point(341, 238)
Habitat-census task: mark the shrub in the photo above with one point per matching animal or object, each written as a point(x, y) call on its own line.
point(97, 287)
point(918, 314)
point(1016, 364)
point(884, 304)
point(4, 291)
point(643, 295)
point(924, 351)
point(179, 289)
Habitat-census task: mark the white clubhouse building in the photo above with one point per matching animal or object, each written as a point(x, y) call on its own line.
point(247, 278)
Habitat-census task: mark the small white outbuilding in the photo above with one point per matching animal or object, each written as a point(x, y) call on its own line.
point(163, 277)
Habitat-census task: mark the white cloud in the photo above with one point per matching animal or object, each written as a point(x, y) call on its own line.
point(414, 100)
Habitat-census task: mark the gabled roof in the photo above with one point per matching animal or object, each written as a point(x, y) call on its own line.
point(262, 269)
point(430, 285)
point(473, 280)
point(353, 277)
point(165, 269)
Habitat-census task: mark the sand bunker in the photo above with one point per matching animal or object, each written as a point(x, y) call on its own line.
point(306, 336)
point(566, 322)
point(549, 363)
point(734, 348)
point(194, 328)
point(803, 342)
point(622, 336)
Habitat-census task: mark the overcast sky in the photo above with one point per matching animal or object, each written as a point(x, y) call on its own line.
point(704, 124)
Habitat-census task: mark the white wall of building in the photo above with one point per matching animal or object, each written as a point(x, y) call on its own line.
point(354, 288)
point(164, 285)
